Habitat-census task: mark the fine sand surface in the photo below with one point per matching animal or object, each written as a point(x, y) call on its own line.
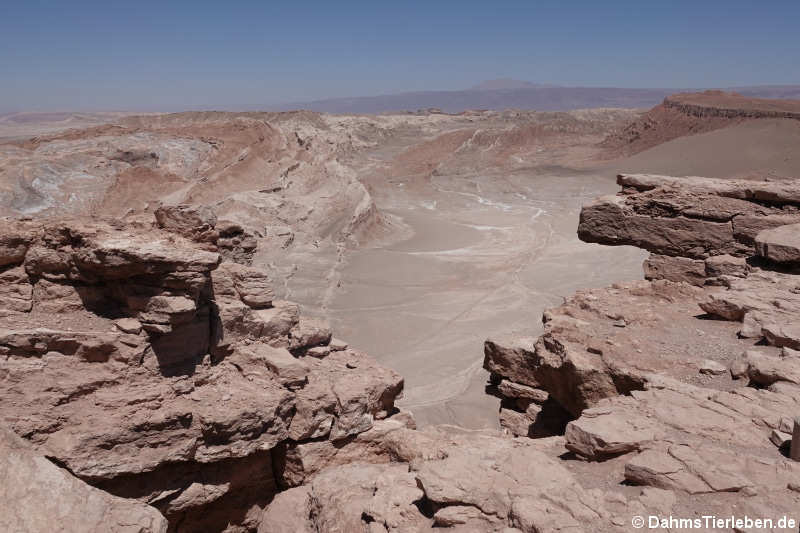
point(487, 255)
point(766, 147)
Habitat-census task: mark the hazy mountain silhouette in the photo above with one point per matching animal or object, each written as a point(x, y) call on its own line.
point(515, 94)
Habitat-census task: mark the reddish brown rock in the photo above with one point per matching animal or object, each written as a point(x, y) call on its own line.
point(692, 271)
point(726, 265)
point(36, 495)
point(689, 217)
point(117, 376)
point(16, 292)
point(780, 244)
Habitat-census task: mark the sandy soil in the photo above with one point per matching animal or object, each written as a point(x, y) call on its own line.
point(486, 257)
point(489, 251)
point(765, 147)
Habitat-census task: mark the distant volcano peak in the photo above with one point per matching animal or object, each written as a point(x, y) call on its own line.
point(508, 83)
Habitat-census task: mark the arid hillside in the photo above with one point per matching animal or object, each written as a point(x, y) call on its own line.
point(170, 286)
point(686, 114)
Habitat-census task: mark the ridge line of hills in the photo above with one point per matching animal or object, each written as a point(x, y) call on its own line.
point(540, 98)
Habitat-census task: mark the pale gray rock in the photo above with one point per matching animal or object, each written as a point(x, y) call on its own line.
point(709, 366)
point(766, 370)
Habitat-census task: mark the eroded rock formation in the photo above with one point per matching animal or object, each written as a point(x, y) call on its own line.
point(147, 367)
point(688, 381)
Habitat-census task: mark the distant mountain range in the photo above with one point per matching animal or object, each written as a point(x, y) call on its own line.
point(515, 94)
point(509, 83)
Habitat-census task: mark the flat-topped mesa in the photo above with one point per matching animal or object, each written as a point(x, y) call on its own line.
point(150, 369)
point(697, 229)
point(731, 105)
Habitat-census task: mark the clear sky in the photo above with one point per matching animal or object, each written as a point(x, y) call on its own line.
point(138, 54)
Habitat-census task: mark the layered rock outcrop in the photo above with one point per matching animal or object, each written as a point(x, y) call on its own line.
point(688, 381)
point(147, 367)
point(693, 218)
point(685, 114)
point(37, 496)
point(448, 478)
point(147, 374)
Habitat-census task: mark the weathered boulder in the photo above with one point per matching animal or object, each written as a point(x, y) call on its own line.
point(15, 239)
point(781, 244)
point(16, 291)
point(199, 223)
point(447, 478)
point(765, 369)
point(599, 343)
point(692, 271)
point(726, 265)
point(778, 192)
point(613, 220)
point(308, 333)
point(598, 434)
point(36, 496)
point(194, 222)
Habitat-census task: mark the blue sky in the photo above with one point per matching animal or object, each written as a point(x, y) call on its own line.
point(179, 55)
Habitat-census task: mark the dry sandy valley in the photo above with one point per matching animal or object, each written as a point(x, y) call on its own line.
point(490, 321)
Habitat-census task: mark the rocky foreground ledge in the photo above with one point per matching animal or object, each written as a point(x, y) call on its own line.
point(149, 385)
point(688, 381)
point(147, 367)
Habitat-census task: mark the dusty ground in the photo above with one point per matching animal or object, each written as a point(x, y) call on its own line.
point(486, 255)
point(480, 246)
point(417, 236)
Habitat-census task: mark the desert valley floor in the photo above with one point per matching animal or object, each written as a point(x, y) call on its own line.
point(484, 321)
